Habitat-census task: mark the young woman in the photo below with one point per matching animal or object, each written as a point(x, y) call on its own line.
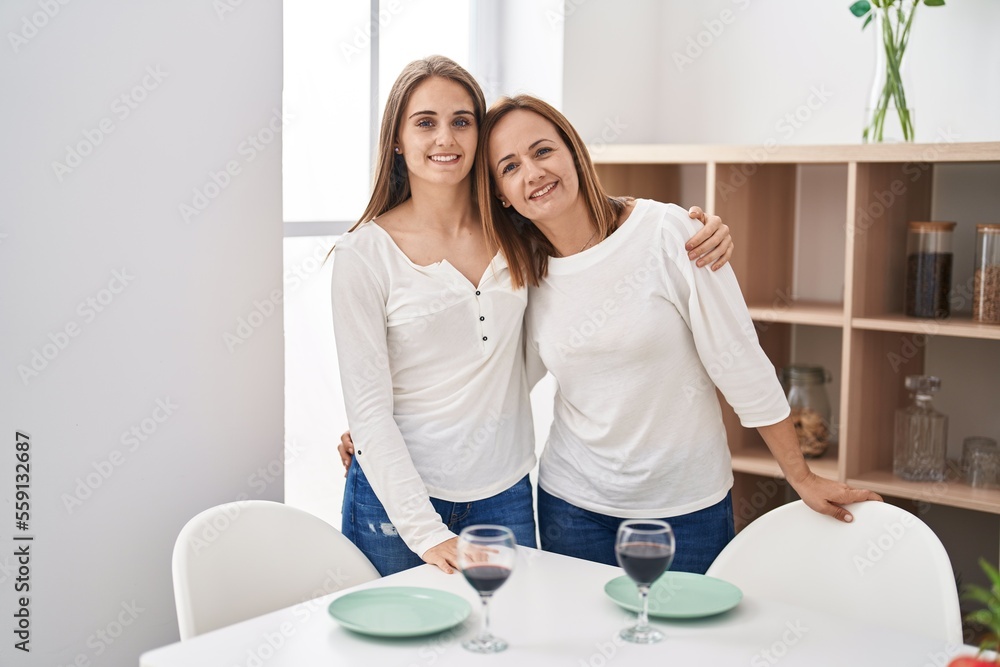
point(628, 329)
point(429, 338)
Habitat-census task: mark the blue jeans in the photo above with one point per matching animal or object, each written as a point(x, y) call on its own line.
point(366, 523)
point(569, 530)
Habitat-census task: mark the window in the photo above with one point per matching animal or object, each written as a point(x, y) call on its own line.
point(336, 55)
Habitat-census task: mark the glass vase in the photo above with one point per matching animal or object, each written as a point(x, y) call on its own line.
point(889, 117)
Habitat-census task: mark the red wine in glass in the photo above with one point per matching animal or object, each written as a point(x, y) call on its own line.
point(486, 555)
point(486, 578)
point(645, 549)
point(645, 562)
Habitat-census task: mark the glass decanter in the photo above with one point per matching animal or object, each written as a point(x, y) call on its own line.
point(921, 434)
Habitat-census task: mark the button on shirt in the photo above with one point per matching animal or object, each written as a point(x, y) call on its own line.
point(432, 369)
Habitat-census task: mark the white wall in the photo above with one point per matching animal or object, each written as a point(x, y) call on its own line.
point(530, 48)
point(166, 293)
point(611, 66)
point(516, 47)
point(751, 63)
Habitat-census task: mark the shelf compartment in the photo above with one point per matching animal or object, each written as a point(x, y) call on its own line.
point(887, 198)
point(820, 232)
point(758, 461)
point(758, 203)
point(800, 312)
point(953, 494)
point(959, 326)
point(877, 363)
point(778, 340)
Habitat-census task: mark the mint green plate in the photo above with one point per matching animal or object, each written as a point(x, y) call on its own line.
point(399, 611)
point(678, 595)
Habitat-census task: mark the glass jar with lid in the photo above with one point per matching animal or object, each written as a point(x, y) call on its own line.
point(928, 269)
point(806, 391)
point(921, 441)
point(986, 282)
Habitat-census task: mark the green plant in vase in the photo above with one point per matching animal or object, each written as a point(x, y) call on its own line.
point(893, 20)
point(988, 617)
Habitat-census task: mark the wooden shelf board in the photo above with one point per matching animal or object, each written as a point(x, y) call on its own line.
point(962, 327)
point(775, 154)
point(953, 494)
point(758, 461)
point(800, 312)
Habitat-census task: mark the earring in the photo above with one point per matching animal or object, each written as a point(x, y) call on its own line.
point(506, 204)
point(397, 150)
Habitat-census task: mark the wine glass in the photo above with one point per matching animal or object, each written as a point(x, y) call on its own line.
point(486, 556)
point(644, 548)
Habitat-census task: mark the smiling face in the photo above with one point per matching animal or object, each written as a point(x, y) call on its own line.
point(438, 133)
point(533, 168)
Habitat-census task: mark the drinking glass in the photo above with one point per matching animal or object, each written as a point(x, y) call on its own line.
point(645, 549)
point(980, 461)
point(486, 557)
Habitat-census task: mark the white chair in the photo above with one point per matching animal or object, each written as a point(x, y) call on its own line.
point(243, 559)
point(886, 568)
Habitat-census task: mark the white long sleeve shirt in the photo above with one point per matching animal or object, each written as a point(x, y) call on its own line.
point(638, 338)
point(432, 369)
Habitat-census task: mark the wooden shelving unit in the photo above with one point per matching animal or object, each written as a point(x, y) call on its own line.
point(757, 190)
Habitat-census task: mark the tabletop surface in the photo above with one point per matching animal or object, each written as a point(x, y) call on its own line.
point(553, 611)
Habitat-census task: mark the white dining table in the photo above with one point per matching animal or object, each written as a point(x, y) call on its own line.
point(553, 611)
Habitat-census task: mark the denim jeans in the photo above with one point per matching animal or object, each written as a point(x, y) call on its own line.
point(567, 529)
point(366, 523)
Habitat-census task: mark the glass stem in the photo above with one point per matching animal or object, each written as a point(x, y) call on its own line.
point(644, 614)
point(485, 634)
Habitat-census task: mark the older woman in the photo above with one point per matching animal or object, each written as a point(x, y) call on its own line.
point(628, 329)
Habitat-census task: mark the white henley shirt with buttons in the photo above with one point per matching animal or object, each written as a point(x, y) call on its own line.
point(433, 374)
point(638, 338)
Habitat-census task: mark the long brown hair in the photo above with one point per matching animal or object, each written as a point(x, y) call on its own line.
point(524, 246)
point(392, 183)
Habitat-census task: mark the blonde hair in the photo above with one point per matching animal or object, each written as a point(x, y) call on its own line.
point(524, 246)
point(392, 184)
